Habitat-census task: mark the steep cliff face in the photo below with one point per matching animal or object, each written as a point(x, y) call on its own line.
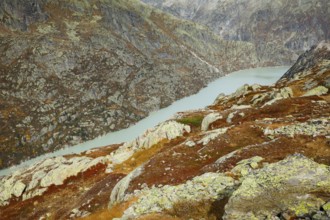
point(259, 153)
point(273, 26)
point(73, 70)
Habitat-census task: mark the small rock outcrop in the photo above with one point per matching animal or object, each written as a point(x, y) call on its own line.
point(306, 61)
point(286, 186)
point(119, 191)
point(209, 119)
point(167, 130)
point(40, 176)
point(320, 90)
point(209, 186)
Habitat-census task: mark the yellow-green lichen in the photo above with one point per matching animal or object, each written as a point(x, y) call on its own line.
point(307, 205)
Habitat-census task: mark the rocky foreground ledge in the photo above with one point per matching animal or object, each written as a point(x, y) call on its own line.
point(259, 153)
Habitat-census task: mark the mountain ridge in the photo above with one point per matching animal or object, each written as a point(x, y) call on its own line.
point(291, 26)
point(72, 71)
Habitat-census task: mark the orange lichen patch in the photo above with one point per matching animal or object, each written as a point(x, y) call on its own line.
point(158, 217)
point(58, 14)
point(114, 212)
point(183, 70)
point(204, 209)
point(101, 151)
point(245, 134)
point(326, 98)
point(297, 89)
point(97, 197)
point(139, 158)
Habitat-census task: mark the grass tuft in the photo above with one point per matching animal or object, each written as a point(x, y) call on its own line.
point(193, 121)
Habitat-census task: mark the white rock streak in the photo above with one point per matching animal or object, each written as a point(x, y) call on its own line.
point(167, 130)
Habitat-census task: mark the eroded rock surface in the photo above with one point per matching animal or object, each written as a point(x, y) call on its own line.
point(167, 130)
point(209, 186)
point(287, 186)
point(273, 26)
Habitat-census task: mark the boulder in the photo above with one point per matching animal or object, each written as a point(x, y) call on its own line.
point(320, 90)
point(209, 186)
point(118, 192)
point(287, 185)
point(18, 188)
point(209, 119)
point(211, 135)
point(167, 130)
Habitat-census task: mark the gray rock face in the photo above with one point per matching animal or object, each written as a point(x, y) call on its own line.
point(279, 187)
point(308, 60)
point(207, 186)
point(39, 176)
point(273, 26)
point(74, 70)
point(21, 17)
point(320, 90)
point(315, 127)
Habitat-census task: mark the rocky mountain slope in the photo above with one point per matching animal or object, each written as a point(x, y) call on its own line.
point(262, 152)
point(273, 26)
point(74, 70)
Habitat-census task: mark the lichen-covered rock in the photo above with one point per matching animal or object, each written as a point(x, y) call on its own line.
point(314, 127)
point(287, 185)
point(190, 143)
point(10, 187)
point(211, 135)
point(239, 107)
point(230, 117)
point(219, 98)
point(70, 168)
point(39, 176)
point(244, 167)
point(241, 91)
point(326, 208)
point(18, 188)
point(209, 119)
point(209, 186)
point(272, 96)
point(320, 90)
point(284, 93)
point(167, 130)
point(118, 192)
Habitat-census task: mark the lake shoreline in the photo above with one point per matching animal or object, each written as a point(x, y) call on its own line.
point(206, 96)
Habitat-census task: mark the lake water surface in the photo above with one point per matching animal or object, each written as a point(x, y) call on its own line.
point(226, 84)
